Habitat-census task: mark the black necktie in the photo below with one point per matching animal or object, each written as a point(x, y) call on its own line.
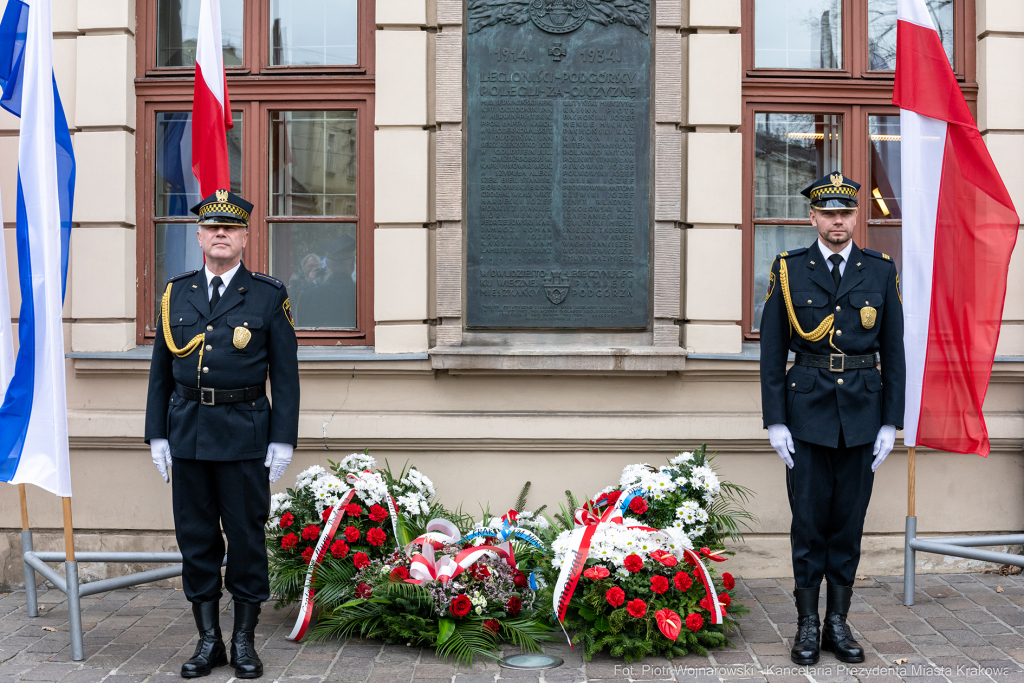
point(836, 259)
point(216, 282)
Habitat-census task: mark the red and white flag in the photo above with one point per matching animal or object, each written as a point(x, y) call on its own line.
point(211, 109)
point(959, 228)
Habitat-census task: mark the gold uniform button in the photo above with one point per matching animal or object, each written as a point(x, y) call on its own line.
point(205, 370)
point(793, 384)
point(866, 303)
point(809, 302)
point(179, 320)
point(840, 381)
point(209, 328)
point(812, 263)
point(245, 324)
point(839, 333)
point(209, 348)
point(839, 308)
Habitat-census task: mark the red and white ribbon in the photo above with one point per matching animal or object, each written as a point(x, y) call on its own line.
point(426, 566)
point(326, 536)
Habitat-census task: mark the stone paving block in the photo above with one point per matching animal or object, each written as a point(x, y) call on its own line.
point(86, 675)
point(48, 671)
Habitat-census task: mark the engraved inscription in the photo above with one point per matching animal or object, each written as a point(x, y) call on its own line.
point(558, 191)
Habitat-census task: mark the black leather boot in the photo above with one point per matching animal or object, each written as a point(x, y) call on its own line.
point(837, 637)
point(243, 646)
point(210, 648)
point(805, 644)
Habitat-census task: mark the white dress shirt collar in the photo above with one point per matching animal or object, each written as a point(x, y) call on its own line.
point(226, 278)
point(845, 253)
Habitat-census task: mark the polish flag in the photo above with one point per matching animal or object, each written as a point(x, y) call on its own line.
point(959, 228)
point(211, 109)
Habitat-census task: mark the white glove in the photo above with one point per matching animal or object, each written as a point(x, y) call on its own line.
point(782, 442)
point(161, 452)
point(279, 455)
point(883, 445)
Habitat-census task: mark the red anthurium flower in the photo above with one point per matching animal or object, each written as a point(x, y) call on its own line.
point(728, 581)
point(636, 608)
point(286, 520)
point(615, 596)
point(659, 584)
point(712, 555)
point(510, 516)
point(665, 558)
point(724, 599)
point(694, 622)
point(669, 623)
point(638, 505)
point(596, 573)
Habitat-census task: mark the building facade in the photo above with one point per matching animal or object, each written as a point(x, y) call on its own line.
point(350, 138)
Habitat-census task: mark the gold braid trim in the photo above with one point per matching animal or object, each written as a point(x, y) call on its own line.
point(165, 313)
point(827, 326)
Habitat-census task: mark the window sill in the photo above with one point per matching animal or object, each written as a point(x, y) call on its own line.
point(550, 359)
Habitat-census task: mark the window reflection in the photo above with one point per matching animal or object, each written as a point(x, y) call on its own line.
point(885, 191)
point(318, 262)
point(177, 189)
point(798, 34)
point(313, 32)
point(178, 30)
point(769, 242)
point(790, 152)
point(313, 163)
point(882, 31)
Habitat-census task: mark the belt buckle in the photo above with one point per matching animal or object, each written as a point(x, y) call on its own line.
point(202, 396)
point(841, 367)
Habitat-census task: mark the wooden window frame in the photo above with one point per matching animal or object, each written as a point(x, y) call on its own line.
point(854, 92)
point(257, 92)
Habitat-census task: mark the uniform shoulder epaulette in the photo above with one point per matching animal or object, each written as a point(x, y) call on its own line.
point(182, 276)
point(792, 252)
point(877, 254)
point(266, 278)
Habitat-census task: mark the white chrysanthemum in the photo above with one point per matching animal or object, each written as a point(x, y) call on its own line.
point(705, 480)
point(542, 523)
point(682, 459)
point(370, 488)
point(308, 475)
point(418, 481)
point(632, 474)
point(358, 462)
point(279, 502)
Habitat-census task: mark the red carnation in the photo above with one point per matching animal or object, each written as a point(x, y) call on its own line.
point(633, 563)
point(376, 536)
point(513, 606)
point(694, 621)
point(728, 581)
point(596, 573)
point(351, 534)
point(615, 596)
point(682, 581)
point(364, 590)
point(339, 549)
point(289, 541)
point(307, 555)
point(636, 608)
point(377, 513)
point(311, 532)
point(659, 584)
point(492, 625)
point(613, 497)
point(353, 510)
point(460, 606)
point(360, 560)
point(724, 599)
point(286, 520)
point(638, 505)
point(519, 579)
point(399, 574)
point(327, 514)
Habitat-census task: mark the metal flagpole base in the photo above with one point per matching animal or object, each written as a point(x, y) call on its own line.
point(31, 603)
point(909, 561)
point(74, 610)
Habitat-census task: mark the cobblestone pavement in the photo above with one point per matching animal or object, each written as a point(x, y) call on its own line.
point(963, 627)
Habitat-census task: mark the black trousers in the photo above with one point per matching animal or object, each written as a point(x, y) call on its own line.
point(829, 490)
point(235, 495)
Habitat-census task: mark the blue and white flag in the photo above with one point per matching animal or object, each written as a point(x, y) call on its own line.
point(6, 329)
point(34, 416)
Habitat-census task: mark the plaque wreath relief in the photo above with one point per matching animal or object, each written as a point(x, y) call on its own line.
point(558, 131)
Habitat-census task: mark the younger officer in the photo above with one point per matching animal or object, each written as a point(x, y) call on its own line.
point(835, 306)
point(221, 331)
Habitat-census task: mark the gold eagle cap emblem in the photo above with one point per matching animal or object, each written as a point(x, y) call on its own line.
point(241, 337)
point(867, 317)
point(837, 179)
point(222, 195)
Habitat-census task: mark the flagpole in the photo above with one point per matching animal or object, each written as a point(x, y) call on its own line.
point(909, 554)
point(911, 483)
point(31, 606)
point(71, 578)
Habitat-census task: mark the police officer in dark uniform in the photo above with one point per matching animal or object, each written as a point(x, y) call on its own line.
point(221, 332)
point(833, 417)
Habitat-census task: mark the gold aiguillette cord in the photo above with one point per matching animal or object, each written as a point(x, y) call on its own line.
point(165, 313)
point(827, 326)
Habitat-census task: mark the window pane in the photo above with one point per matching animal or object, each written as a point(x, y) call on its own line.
point(313, 163)
point(885, 191)
point(313, 32)
point(769, 242)
point(177, 29)
point(177, 189)
point(790, 152)
point(882, 31)
point(177, 251)
point(318, 262)
point(798, 34)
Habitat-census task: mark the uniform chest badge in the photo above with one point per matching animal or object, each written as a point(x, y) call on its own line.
point(867, 317)
point(243, 335)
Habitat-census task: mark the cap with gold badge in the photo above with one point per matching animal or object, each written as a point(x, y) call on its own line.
point(223, 208)
point(832, 192)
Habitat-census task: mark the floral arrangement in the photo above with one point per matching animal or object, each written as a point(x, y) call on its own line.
point(625, 574)
point(382, 510)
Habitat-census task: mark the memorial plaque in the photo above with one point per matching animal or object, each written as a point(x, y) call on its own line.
point(558, 163)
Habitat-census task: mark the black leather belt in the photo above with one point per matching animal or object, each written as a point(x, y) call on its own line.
point(210, 397)
point(836, 362)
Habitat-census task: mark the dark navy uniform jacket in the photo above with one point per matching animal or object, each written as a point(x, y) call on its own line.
point(816, 403)
point(230, 431)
